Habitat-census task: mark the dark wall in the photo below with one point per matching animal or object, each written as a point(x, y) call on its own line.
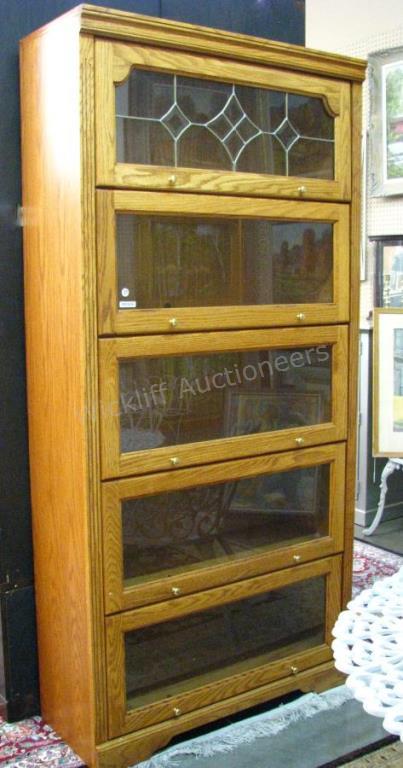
point(278, 19)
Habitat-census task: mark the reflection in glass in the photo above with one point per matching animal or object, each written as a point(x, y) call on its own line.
point(309, 118)
point(311, 158)
point(228, 640)
point(184, 399)
point(164, 119)
point(198, 141)
point(225, 521)
point(189, 261)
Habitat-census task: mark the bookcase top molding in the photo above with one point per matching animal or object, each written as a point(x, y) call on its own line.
point(134, 27)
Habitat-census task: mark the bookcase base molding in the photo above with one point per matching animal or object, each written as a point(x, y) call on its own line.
point(132, 749)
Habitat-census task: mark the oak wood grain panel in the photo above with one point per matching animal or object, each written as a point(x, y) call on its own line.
point(105, 113)
point(111, 351)
point(343, 149)
point(123, 596)
point(189, 204)
point(106, 262)
point(226, 593)
point(60, 454)
point(169, 34)
point(236, 682)
point(155, 177)
point(111, 320)
point(88, 221)
point(188, 319)
point(352, 393)
point(147, 485)
point(287, 556)
point(126, 57)
point(208, 451)
point(138, 28)
point(113, 64)
point(126, 750)
point(122, 721)
point(112, 548)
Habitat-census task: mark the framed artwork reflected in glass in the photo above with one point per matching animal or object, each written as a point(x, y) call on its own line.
point(386, 122)
point(388, 283)
point(388, 383)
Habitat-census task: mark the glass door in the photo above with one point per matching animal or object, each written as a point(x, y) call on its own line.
point(173, 401)
point(183, 122)
point(172, 534)
point(172, 263)
point(248, 635)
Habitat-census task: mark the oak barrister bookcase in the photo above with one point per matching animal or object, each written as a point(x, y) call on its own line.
point(191, 205)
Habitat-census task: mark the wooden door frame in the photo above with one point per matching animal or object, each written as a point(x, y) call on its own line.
point(114, 61)
point(111, 320)
point(113, 350)
point(122, 721)
point(122, 597)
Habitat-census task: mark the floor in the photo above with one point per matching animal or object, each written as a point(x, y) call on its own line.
point(388, 536)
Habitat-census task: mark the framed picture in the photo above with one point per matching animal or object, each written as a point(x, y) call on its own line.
point(388, 271)
point(386, 122)
point(252, 412)
point(295, 494)
point(387, 438)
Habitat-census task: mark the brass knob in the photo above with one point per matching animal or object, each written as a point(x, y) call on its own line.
point(176, 591)
point(301, 316)
point(172, 179)
point(299, 440)
point(177, 711)
point(174, 461)
point(294, 670)
point(296, 558)
point(302, 190)
point(173, 322)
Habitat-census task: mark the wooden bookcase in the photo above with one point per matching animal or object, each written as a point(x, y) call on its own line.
point(191, 238)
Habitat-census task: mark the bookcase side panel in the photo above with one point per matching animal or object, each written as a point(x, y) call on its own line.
point(56, 361)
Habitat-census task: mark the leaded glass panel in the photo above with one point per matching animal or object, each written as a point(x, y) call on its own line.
point(175, 120)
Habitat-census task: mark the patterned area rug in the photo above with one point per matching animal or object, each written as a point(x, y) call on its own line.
point(32, 744)
point(371, 563)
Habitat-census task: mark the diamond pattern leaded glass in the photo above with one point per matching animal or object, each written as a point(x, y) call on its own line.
point(199, 106)
point(175, 121)
point(286, 134)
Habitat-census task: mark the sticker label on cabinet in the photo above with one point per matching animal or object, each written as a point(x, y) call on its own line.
point(127, 304)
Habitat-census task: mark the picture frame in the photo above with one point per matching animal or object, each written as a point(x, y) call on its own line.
point(386, 122)
point(388, 283)
point(280, 495)
point(269, 409)
point(387, 432)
